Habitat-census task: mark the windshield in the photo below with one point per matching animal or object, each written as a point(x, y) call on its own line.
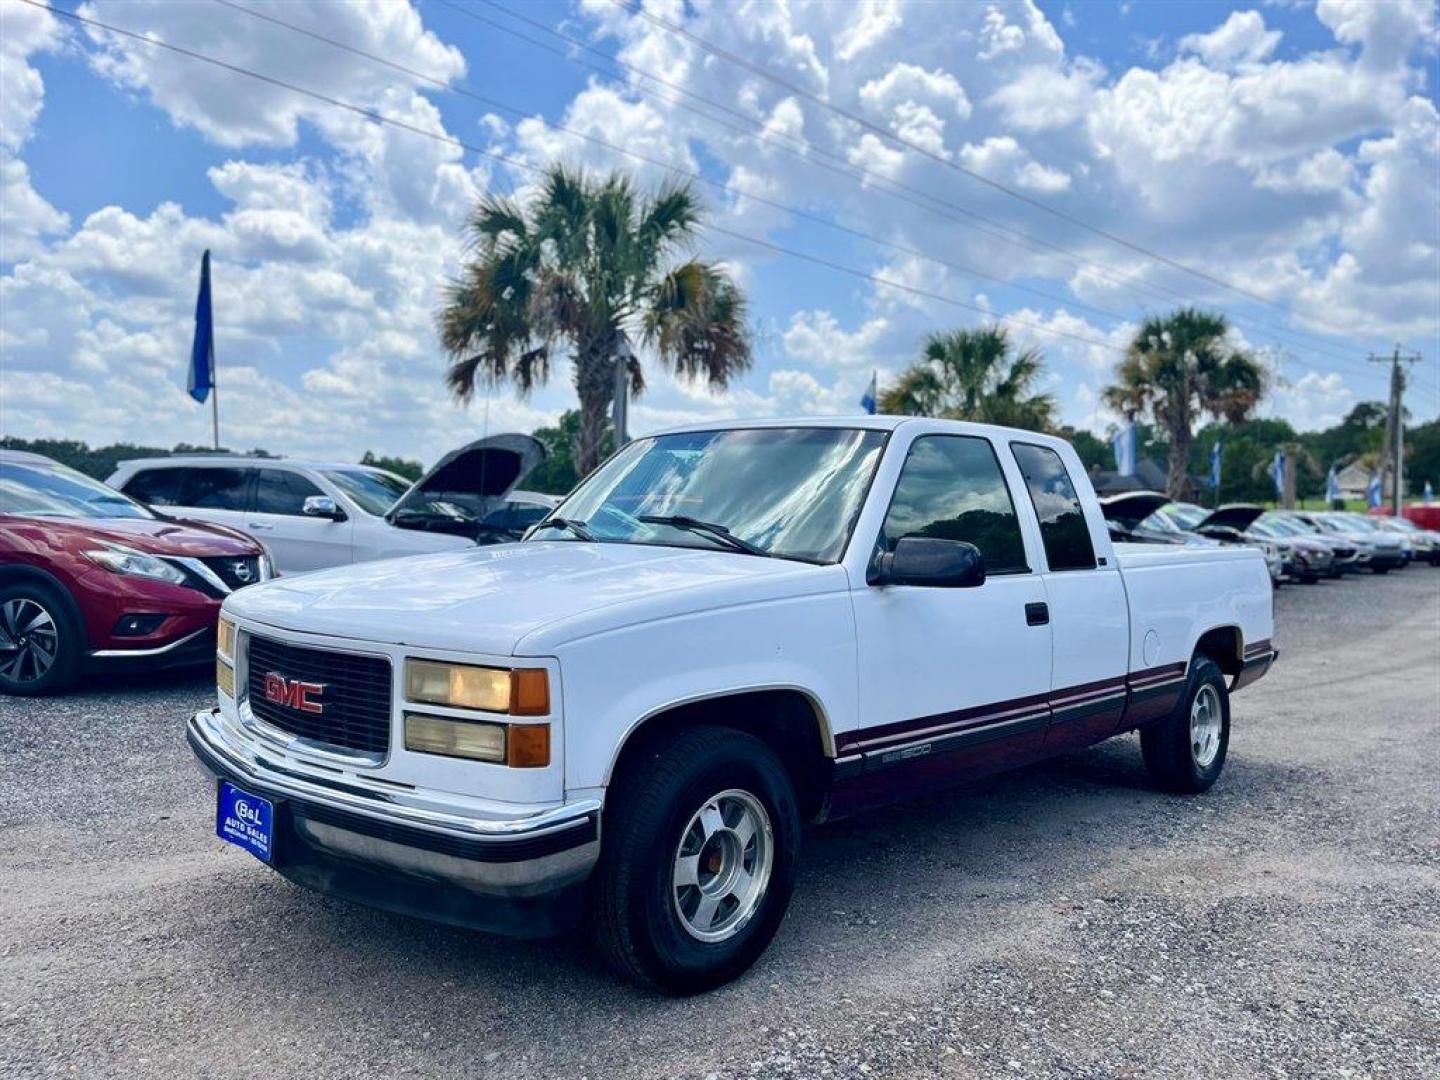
point(1278, 526)
point(57, 491)
point(1186, 515)
point(373, 492)
point(793, 493)
point(1160, 521)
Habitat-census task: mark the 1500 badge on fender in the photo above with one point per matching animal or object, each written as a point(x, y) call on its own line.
point(723, 632)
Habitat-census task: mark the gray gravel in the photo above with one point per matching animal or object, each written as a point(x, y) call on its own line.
point(1062, 921)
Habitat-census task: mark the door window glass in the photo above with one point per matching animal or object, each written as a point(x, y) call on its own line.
point(1063, 528)
point(215, 488)
point(951, 487)
point(281, 492)
point(156, 487)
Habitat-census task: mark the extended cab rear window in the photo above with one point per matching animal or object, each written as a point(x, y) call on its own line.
point(951, 488)
point(1063, 528)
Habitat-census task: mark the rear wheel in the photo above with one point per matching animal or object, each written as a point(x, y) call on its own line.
point(39, 644)
point(698, 859)
point(1186, 751)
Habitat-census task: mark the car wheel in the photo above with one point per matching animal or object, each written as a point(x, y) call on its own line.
point(1379, 569)
point(39, 643)
point(697, 861)
point(1185, 752)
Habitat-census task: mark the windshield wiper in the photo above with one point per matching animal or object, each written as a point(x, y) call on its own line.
point(570, 526)
point(705, 528)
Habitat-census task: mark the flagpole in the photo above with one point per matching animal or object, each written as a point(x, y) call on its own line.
point(214, 402)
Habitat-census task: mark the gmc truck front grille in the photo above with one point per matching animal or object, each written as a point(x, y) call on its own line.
point(334, 698)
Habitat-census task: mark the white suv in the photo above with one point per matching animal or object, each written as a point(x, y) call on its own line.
point(313, 514)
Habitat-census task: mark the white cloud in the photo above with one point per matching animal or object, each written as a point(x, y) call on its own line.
point(816, 338)
point(1386, 32)
point(27, 217)
point(1313, 401)
point(1042, 98)
point(1241, 39)
point(1001, 158)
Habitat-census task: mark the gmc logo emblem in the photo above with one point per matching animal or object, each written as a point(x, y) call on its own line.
point(293, 693)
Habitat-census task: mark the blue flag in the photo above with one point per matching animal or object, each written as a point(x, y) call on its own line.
point(1374, 494)
point(1332, 486)
point(1429, 493)
point(202, 351)
point(1124, 443)
point(868, 399)
point(1277, 472)
point(1215, 465)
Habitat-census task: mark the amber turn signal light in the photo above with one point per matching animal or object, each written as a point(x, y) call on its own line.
point(529, 692)
point(527, 746)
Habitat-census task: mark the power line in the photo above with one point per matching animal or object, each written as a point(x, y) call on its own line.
point(1000, 231)
point(689, 174)
point(381, 118)
point(884, 133)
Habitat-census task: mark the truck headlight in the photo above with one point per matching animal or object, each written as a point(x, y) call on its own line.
point(224, 678)
point(122, 560)
point(521, 746)
point(520, 692)
point(225, 638)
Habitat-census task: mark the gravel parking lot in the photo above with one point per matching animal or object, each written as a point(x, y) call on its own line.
point(1061, 921)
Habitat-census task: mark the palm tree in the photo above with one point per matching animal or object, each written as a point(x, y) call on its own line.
point(1179, 366)
point(973, 374)
point(589, 266)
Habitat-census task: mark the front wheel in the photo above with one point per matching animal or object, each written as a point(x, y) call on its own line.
point(39, 645)
point(1186, 751)
point(698, 859)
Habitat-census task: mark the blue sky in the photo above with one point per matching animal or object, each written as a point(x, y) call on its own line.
point(1287, 149)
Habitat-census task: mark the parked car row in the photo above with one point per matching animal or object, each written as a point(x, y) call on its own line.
point(1299, 545)
point(132, 574)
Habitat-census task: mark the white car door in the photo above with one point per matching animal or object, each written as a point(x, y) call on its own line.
point(297, 542)
point(1088, 608)
point(951, 680)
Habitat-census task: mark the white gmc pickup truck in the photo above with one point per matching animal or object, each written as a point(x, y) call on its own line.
point(724, 632)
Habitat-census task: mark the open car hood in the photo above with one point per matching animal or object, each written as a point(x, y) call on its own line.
point(1236, 516)
point(1132, 507)
point(467, 483)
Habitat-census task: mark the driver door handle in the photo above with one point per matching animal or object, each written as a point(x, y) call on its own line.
point(260, 526)
point(1037, 614)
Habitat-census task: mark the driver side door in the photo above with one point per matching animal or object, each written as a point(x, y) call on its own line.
point(953, 682)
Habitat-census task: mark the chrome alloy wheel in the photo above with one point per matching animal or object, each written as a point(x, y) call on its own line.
point(29, 640)
point(722, 865)
point(1205, 723)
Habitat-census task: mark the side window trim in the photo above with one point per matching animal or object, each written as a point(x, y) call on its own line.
point(247, 500)
point(293, 477)
point(1095, 557)
point(878, 543)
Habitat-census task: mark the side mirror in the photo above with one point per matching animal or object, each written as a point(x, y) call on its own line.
point(322, 506)
point(925, 560)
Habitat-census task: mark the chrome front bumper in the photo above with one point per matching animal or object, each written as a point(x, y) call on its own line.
point(390, 849)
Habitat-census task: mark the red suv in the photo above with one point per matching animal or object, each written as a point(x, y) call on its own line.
point(89, 578)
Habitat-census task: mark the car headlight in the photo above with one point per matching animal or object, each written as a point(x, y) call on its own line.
point(123, 560)
point(520, 692)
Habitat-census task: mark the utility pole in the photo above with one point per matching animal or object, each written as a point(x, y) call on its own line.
point(1395, 426)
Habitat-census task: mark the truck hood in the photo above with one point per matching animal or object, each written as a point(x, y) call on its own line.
point(523, 599)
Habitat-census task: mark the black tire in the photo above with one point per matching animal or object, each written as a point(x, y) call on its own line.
point(1380, 569)
point(22, 600)
point(1170, 754)
point(634, 916)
